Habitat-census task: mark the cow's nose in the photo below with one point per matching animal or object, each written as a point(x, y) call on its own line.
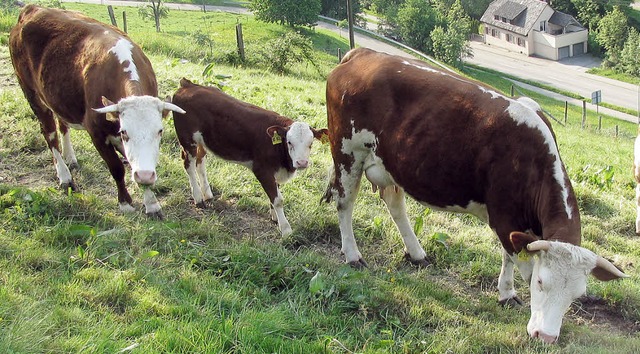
point(549, 339)
point(302, 164)
point(145, 177)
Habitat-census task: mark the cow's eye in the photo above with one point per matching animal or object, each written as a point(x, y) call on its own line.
point(160, 132)
point(124, 136)
point(540, 284)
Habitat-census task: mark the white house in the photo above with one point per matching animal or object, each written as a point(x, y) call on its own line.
point(533, 28)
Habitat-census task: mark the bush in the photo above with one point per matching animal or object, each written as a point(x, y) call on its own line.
point(279, 53)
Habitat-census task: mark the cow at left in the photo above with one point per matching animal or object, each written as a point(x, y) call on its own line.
point(80, 73)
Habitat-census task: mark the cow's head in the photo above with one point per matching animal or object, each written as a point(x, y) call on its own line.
point(559, 276)
point(140, 120)
point(299, 138)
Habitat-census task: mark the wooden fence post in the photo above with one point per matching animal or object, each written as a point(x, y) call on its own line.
point(584, 113)
point(566, 108)
point(124, 21)
point(599, 123)
point(112, 16)
point(511, 90)
point(339, 54)
point(240, 41)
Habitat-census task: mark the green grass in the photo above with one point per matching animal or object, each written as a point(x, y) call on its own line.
point(77, 276)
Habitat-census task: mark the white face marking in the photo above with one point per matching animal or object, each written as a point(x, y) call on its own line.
point(140, 131)
point(122, 50)
point(523, 111)
point(299, 141)
point(559, 276)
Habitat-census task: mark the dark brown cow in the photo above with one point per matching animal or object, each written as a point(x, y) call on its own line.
point(67, 64)
point(454, 144)
point(272, 146)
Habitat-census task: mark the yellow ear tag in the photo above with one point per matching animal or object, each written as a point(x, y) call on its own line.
point(324, 138)
point(276, 138)
point(523, 255)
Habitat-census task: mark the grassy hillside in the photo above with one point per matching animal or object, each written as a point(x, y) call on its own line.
point(78, 276)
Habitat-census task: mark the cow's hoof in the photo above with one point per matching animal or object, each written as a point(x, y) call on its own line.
point(512, 302)
point(201, 205)
point(420, 263)
point(74, 166)
point(69, 185)
point(157, 215)
point(359, 264)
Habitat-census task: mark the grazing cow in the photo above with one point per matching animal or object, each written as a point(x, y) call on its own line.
point(67, 66)
point(272, 146)
point(453, 144)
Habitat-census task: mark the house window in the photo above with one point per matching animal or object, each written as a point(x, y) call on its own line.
point(543, 26)
point(496, 17)
point(509, 38)
point(521, 42)
point(495, 33)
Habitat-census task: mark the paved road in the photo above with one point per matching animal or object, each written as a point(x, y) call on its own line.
point(568, 74)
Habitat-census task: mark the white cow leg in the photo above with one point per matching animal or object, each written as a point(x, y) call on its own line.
point(394, 199)
point(196, 192)
point(64, 175)
point(638, 209)
point(67, 150)
point(351, 185)
point(506, 290)
point(278, 208)
point(205, 187)
point(151, 204)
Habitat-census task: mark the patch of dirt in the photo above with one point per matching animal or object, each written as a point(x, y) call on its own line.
point(7, 76)
point(596, 312)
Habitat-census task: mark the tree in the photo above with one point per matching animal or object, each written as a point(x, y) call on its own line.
point(289, 12)
point(630, 55)
point(155, 10)
point(338, 8)
point(451, 44)
point(416, 19)
point(612, 34)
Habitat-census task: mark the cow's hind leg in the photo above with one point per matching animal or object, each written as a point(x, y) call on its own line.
point(67, 149)
point(49, 131)
point(393, 197)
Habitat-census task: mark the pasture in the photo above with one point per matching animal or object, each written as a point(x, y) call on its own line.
point(76, 275)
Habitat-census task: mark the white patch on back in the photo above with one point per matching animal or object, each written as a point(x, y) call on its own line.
point(493, 94)
point(122, 50)
point(523, 111)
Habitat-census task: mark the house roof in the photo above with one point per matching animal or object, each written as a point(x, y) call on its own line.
point(563, 20)
point(522, 22)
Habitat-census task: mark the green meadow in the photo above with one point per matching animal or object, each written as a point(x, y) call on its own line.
point(78, 276)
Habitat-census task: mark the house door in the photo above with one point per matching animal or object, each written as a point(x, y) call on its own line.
point(563, 52)
point(578, 49)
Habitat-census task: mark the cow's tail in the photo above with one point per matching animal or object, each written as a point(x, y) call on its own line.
point(328, 193)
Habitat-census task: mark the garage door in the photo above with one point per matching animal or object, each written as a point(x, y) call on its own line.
point(578, 49)
point(563, 52)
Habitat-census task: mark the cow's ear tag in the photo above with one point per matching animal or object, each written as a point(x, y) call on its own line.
point(324, 138)
point(523, 255)
point(276, 138)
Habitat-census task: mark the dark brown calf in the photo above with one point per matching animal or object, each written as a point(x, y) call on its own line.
point(271, 145)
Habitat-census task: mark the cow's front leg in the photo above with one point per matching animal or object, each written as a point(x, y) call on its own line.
point(116, 168)
point(506, 290)
point(151, 204)
point(268, 182)
point(345, 189)
point(191, 169)
point(393, 197)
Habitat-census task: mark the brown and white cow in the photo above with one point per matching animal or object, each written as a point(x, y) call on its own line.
point(68, 65)
point(272, 146)
point(453, 144)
